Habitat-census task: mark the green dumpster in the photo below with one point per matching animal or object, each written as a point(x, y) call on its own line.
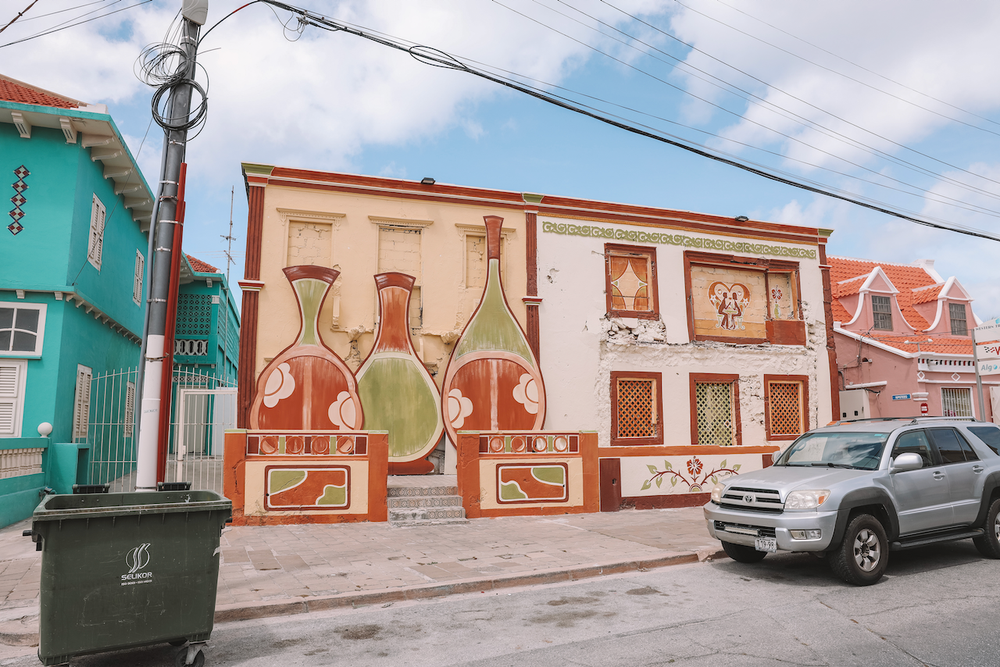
point(121, 570)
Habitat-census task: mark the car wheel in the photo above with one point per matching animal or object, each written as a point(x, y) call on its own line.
point(864, 553)
point(989, 544)
point(743, 554)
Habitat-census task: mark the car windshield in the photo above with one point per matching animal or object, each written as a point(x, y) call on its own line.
point(861, 451)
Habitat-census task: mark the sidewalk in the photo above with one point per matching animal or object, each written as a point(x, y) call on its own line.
point(280, 570)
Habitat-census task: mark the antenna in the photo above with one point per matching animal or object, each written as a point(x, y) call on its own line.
point(230, 238)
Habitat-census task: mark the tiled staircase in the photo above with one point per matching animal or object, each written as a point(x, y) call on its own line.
point(424, 500)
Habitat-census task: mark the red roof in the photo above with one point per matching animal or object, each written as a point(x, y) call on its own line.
point(12, 90)
point(906, 279)
point(926, 294)
point(926, 343)
point(200, 266)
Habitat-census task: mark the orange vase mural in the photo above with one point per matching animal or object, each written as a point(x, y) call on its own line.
point(493, 382)
point(307, 386)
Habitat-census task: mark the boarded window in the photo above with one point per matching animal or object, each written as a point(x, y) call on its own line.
point(959, 325)
point(785, 406)
point(399, 250)
point(882, 312)
point(636, 407)
point(630, 281)
point(715, 417)
point(310, 243)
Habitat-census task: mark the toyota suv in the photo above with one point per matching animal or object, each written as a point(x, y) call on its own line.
point(852, 492)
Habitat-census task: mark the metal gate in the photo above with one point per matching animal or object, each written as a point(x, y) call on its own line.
point(201, 419)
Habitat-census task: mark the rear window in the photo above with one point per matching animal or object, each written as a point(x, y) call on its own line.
point(988, 434)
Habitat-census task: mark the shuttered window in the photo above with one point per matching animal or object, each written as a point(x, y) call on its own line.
point(786, 401)
point(636, 408)
point(12, 377)
point(715, 409)
point(81, 404)
point(140, 268)
point(95, 247)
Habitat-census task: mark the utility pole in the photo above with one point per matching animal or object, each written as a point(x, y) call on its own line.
point(194, 13)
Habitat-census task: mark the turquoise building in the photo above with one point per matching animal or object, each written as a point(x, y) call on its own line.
point(73, 250)
point(207, 334)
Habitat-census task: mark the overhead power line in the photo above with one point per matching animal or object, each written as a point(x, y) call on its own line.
point(437, 58)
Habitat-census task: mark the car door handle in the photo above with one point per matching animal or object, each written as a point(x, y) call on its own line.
point(977, 469)
point(939, 475)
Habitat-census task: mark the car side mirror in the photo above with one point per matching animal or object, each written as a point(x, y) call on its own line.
point(907, 461)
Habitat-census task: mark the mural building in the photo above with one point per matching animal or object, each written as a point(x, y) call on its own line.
point(556, 355)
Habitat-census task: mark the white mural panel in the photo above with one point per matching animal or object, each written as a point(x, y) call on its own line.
point(670, 475)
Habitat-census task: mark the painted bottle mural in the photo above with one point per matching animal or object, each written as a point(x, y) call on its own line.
point(493, 382)
point(397, 392)
point(307, 386)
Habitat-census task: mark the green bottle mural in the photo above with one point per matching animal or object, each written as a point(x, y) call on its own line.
point(397, 393)
point(493, 382)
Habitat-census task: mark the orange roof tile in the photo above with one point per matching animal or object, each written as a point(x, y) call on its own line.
point(904, 278)
point(848, 287)
point(200, 266)
point(840, 313)
point(12, 90)
point(925, 294)
point(924, 343)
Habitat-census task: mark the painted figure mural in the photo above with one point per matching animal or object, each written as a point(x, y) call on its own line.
point(397, 392)
point(730, 301)
point(307, 386)
point(492, 381)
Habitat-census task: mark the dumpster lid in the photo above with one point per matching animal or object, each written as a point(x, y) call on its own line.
point(65, 506)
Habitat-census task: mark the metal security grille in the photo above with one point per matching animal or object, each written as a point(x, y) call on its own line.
point(956, 402)
point(882, 312)
point(715, 413)
point(785, 408)
point(636, 414)
point(194, 315)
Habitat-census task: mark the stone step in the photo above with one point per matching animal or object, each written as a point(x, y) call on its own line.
point(424, 515)
point(453, 502)
point(416, 491)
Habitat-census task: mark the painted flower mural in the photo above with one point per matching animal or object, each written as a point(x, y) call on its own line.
point(694, 480)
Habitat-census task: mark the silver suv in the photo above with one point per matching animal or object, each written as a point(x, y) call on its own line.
point(854, 491)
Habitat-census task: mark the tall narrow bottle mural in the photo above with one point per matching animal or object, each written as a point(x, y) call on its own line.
point(493, 382)
point(307, 386)
point(397, 392)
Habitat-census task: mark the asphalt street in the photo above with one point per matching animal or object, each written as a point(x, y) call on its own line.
point(935, 606)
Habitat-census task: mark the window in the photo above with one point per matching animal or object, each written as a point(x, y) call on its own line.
point(951, 446)
point(914, 442)
point(959, 326)
point(95, 248)
point(630, 281)
point(882, 312)
point(636, 408)
point(140, 268)
point(715, 409)
point(956, 402)
point(988, 434)
point(743, 300)
point(786, 406)
point(81, 402)
point(12, 377)
point(22, 328)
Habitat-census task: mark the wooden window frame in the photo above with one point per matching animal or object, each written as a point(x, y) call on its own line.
point(803, 405)
point(657, 437)
point(618, 249)
point(876, 313)
point(777, 332)
point(964, 320)
point(39, 335)
point(715, 378)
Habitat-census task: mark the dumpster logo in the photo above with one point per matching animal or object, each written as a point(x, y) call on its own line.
point(136, 560)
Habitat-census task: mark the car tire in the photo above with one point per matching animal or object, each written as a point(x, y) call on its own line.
point(743, 554)
point(989, 544)
point(863, 555)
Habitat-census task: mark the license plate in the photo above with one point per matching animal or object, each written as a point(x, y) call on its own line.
point(768, 544)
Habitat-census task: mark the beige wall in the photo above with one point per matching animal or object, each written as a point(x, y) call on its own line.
point(439, 244)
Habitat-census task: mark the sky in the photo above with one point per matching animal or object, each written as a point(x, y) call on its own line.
point(894, 103)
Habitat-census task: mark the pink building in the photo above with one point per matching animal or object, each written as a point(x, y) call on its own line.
point(904, 342)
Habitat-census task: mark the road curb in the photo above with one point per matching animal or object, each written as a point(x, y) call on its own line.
point(23, 631)
point(268, 608)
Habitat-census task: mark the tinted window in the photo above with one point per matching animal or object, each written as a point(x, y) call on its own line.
point(988, 434)
point(914, 442)
point(950, 445)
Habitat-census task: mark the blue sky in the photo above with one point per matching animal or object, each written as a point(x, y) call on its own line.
point(912, 79)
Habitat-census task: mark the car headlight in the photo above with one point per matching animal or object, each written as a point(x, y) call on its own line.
point(806, 500)
point(717, 493)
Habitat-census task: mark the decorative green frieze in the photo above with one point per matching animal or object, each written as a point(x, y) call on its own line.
point(661, 238)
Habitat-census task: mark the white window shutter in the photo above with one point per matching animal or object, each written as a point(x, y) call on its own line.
point(140, 268)
point(11, 376)
point(95, 248)
point(129, 408)
point(81, 405)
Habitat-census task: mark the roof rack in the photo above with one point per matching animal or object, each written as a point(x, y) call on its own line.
point(917, 420)
point(869, 419)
